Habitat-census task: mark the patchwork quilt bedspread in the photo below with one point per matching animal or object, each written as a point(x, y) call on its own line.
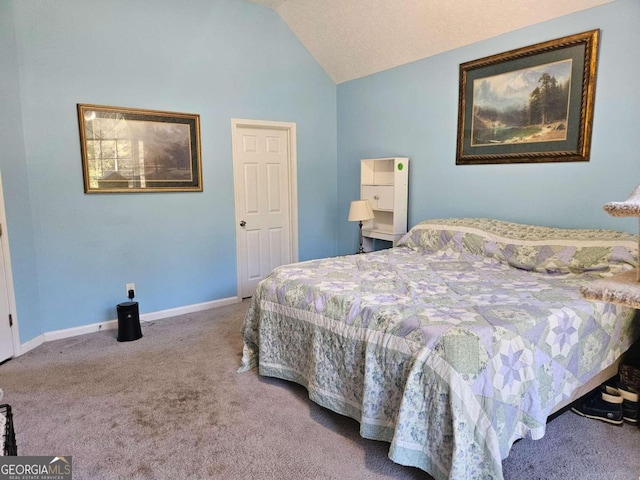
point(452, 345)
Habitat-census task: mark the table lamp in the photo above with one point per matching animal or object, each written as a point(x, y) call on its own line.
point(360, 211)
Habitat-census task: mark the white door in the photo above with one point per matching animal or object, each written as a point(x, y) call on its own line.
point(9, 343)
point(6, 330)
point(265, 186)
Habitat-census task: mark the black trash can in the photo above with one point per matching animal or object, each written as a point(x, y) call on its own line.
point(128, 322)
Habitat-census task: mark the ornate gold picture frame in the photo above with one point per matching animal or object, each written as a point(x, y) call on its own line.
point(131, 150)
point(533, 104)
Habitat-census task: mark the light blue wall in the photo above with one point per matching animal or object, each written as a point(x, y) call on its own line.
point(220, 59)
point(20, 228)
point(412, 111)
point(72, 253)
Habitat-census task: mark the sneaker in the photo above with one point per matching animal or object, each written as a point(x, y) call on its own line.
point(629, 403)
point(603, 403)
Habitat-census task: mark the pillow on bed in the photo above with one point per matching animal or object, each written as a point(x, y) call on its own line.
point(540, 249)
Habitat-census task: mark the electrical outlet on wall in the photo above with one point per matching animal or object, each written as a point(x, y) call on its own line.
point(130, 286)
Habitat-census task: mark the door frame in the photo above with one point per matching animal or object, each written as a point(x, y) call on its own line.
point(4, 238)
point(290, 128)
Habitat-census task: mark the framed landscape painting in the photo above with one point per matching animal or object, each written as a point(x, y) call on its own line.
point(132, 150)
point(533, 104)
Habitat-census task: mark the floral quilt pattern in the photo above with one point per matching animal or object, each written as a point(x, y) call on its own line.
point(442, 346)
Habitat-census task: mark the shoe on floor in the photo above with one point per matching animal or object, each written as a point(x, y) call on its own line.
point(629, 403)
point(603, 403)
point(630, 399)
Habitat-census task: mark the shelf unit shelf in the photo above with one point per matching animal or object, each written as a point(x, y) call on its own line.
point(384, 182)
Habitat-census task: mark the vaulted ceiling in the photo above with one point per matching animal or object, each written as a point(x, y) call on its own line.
point(355, 38)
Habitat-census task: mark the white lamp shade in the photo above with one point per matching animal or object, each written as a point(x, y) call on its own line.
point(360, 211)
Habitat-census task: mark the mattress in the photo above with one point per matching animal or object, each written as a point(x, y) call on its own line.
point(454, 344)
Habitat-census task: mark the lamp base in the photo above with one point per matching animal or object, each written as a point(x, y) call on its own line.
point(360, 250)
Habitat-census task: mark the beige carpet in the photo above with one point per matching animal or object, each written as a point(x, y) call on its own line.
point(171, 406)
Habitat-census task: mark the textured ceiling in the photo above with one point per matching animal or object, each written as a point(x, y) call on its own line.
point(354, 38)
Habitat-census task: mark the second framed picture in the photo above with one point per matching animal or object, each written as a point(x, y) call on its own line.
point(533, 104)
point(131, 150)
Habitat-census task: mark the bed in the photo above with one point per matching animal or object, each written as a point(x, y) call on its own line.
point(452, 345)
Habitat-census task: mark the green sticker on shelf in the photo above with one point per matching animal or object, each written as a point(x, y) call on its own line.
point(400, 166)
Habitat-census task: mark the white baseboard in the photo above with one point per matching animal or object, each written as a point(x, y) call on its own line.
point(113, 324)
point(198, 307)
point(81, 330)
point(30, 345)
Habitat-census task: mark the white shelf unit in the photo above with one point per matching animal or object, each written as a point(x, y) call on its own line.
point(384, 182)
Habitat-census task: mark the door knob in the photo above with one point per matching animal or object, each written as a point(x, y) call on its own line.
point(242, 223)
